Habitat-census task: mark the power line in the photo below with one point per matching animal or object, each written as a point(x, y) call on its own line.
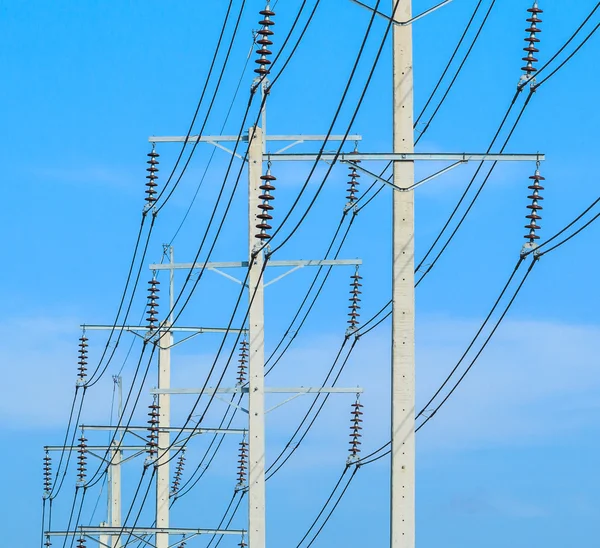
point(487, 340)
point(474, 339)
point(200, 101)
point(462, 64)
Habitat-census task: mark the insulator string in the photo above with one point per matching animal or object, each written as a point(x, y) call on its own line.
point(530, 69)
point(264, 64)
point(534, 207)
point(265, 207)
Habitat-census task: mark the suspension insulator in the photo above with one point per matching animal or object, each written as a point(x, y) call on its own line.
point(353, 184)
point(153, 297)
point(242, 466)
point(82, 460)
point(47, 544)
point(152, 176)
point(529, 69)
point(354, 301)
point(355, 429)
point(178, 473)
point(264, 64)
point(534, 207)
point(152, 445)
point(243, 362)
point(83, 360)
point(242, 543)
point(266, 196)
point(81, 542)
point(47, 475)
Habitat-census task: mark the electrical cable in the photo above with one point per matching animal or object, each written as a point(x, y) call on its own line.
point(270, 473)
point(443, 99)
point(445, 71)
point(231, 518)
point(333, 508)
point(564, 229)
point(474, 339)
point(53, 493)
point(305, 299)
point(487, 340)
point(214, 150)
point(338, 152)
point(536, 86)
point(324, 506)
point(279, 344)
point(71, 515)
point(200, 101)
point(223, 518)
point(466, 191)
point(474, 199)
point(594, 218)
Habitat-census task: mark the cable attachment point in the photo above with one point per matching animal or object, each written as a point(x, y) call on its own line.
point(355, 429)
point(153, 297)
point(529, 69)
point(354, 302)
point(243, 366)
point(152, 445)
point(264, 41)
point(82, 460)
point(264, 215)
point(178, 474)
point(152, 176)
point(47, 475)
point(242, 466)
point(83, 359)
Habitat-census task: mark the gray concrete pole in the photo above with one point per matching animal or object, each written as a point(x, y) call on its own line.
point(402, 500)
point(256, 358)
point(163, 477)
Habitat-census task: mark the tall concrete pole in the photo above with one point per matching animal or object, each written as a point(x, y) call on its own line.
point(115, 491)
point(114, 472)
point(402, 533)
point(256, 358)
point(163, 477)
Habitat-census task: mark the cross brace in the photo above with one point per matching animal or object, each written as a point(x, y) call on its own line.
point(141, 531)
point(244, 264)
point(244, 138)
point(271, 390)
point(170, 429)
point(407, 157)
point(198, 330)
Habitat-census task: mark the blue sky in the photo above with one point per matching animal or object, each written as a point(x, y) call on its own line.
point(510, 459)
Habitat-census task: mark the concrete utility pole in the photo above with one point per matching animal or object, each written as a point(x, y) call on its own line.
point(114, 472)
point(256, 358)
point(163, 477)
point(402, 496)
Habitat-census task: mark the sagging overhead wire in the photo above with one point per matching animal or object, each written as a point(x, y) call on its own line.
point(201, 99)
point(458, 71)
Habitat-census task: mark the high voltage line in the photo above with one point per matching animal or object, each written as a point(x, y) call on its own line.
point(261, 258)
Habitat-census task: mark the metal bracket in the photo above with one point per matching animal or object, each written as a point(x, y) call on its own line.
point(403, 23)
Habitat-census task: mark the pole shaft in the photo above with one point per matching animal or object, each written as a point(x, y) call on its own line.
point(164, 439)
point(256, 363)
point(402, 500)
point(115, 494)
